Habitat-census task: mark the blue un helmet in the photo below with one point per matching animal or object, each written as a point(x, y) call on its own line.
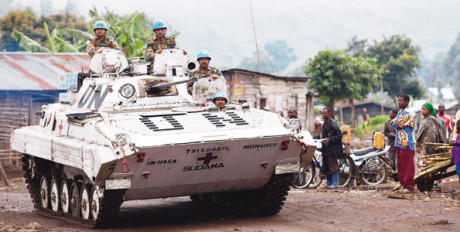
point(203, 54)
point(219, 95)
point(100, 25)
point(158, 25)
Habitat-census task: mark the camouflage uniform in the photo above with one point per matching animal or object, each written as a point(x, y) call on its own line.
point(153, 45)
point(209, 72)
point(94, 42)
point(197, 73)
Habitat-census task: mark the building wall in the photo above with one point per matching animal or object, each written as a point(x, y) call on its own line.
point(270, 92)
point(17, 109)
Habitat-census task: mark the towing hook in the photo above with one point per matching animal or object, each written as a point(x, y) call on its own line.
point(124, 164)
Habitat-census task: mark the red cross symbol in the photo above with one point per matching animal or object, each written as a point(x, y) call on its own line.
point(206, 159)
point(60, 127)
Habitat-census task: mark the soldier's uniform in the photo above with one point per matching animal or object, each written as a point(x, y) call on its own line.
point(209, 72)
point(153, 45)
point(94, 42)
point(198, 74)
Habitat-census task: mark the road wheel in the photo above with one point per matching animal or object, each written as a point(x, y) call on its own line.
point(95, 203)
point(54, 194)
point(75, 200)
point(44, 192)
point(65, 196)
point(85, 202)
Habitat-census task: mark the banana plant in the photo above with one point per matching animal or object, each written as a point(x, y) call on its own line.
point(27, 43)
point(54, 42)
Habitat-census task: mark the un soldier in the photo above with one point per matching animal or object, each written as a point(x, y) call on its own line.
point(205, 70)
point(220, 100)
point(94, 44)
point(160, 42)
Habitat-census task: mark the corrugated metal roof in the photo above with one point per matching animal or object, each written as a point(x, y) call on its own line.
point(35, 71)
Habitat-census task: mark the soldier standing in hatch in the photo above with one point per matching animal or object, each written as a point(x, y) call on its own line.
point(204, 70)
point(101, 39)
point(160, 42)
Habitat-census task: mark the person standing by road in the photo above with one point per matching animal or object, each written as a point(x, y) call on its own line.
point(430, 130)
point(390, 133)
point(331, 147)
point(404, 143)
point(456, 152)
point(457, 117)
point(448, 123)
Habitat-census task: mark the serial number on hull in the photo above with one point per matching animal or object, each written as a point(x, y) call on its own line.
point(204, 150)
point(169, 161)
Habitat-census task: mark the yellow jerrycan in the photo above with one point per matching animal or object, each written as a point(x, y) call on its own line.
point(346, 138)
point(378, 142)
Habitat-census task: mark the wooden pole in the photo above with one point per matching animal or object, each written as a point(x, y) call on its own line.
point(2, 172)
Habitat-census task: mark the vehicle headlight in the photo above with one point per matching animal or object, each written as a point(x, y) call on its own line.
point(127, 90)
point(122, 139)
point(294, 124)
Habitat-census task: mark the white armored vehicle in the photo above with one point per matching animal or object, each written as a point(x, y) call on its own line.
point(129, 134)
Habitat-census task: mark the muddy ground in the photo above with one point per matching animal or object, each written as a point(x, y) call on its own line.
point(354, 209)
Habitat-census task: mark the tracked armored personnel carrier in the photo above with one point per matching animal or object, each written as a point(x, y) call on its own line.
point(130, 133)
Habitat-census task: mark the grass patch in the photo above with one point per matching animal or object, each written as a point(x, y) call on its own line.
point(376, 123)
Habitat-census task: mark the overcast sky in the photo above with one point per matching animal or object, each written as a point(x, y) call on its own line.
point(224, 26)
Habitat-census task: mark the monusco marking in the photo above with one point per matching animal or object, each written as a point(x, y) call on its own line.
point(258, 146)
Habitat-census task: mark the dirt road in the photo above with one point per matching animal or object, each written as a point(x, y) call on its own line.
point(359, 209)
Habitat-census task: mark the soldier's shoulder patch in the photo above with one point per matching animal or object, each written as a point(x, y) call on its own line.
point(170, 39)
point(110, 38)
point(213, 69)
point(91, 40)
point(150, 41)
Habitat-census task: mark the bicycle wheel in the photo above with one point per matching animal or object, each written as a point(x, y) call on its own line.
point(373, 171)
point(304, 177)
point(346, 165)
point(317, 177)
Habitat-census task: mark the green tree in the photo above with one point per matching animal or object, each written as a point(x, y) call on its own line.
point(338, 76)
point(366, 71)
point(398, 60)
point(53, 43)
point(24, 21)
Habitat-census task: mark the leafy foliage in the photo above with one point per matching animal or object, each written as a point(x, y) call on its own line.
point(27, 43)
point(398, 60)
point(338, 75)
point(67, 33)
point(54, 42)
point(23, 21)
point(376, 123)
point(129, 31)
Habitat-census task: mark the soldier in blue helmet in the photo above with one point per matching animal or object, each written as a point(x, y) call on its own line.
point(160, 42)
point(204, 70)
point(101, 39)
point(220, 100)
